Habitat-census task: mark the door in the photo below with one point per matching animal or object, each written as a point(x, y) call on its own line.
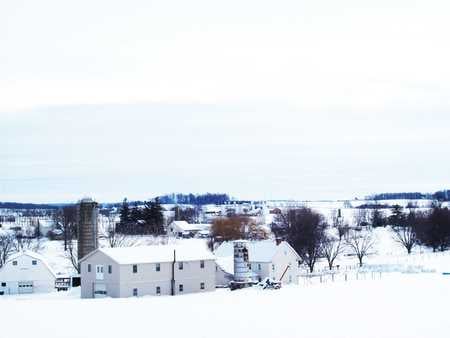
point(99, 272)
point(25, 287)
point(100, 290)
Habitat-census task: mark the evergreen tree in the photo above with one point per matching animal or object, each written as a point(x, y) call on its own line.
point(377, 218)
point(397, 218)
point(125, 212)
point(135, 213)
point(156, 211)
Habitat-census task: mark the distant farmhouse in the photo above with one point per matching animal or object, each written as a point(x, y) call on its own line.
point(26, 272)
point(268, 259)
point(147, 270)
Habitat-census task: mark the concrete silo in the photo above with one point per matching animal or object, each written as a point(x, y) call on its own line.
point(87, 227)
point(243, 276)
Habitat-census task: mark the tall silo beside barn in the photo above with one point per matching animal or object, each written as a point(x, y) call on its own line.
point(87, 227)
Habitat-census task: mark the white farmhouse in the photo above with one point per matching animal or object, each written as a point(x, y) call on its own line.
point(185, 229)
point(26, 272)
point(268, 259)
point(147, 270)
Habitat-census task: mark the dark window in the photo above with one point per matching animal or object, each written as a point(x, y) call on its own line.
point(135, 292)
point(34, 262)
point(180, 287)
point(3, 284)
point(180, 265)
point(158, 267)
point(109, 269)
point(14, 262)
point(259, 266)
point(202, 286)
point(158, 290)
point(134, 268)
point(89, 267)
point(202, 264)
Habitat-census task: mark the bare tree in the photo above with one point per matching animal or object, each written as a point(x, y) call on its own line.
point(117, 239)
point(360, 244)
point(6, 247)
point(331, 249)
point(306, 234)
point(72, 254)
point(406, 236)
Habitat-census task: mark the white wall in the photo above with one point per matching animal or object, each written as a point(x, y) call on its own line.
point(122, 280)
point(43, 279)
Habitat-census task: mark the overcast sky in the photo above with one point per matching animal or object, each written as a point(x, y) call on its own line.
point(315, 99)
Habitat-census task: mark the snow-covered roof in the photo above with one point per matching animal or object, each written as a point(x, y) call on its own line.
point(185, 226)
point(258, 251)
point(157, 254)
point(226, 264)
point(33, 255)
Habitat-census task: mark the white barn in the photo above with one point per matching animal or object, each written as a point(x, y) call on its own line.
point(147, 270)
point(268, 259)
point(26, 272)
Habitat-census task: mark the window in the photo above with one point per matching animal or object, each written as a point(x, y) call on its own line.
point(3, 284)
point(135, 268)
point(158, 290)
point(14, 262)
point(202, 286)
point(180, 265)
point(180, 287)
point(109, 269)
point(259, 266)
point(135, 292)
point(89, 267)
point(158, 267)
point(273, 267)
point(202, 264)
point(34, 262)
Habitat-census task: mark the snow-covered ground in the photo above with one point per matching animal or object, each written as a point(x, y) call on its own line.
point(398, 305)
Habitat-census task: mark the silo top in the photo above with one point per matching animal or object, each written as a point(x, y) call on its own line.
point(87, 200)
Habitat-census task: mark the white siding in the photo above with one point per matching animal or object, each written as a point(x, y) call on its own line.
point(40, 275)
point(122, 281)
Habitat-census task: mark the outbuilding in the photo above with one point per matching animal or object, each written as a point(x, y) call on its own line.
point(26, 272)
point(267, 259)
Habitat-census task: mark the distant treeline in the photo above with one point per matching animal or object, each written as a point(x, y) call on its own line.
point(194, 199)
point(439, 195)
point(27, 206)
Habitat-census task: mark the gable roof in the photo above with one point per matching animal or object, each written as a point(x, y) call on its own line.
point(155, 254)
point(33, 255)
point(258, 251)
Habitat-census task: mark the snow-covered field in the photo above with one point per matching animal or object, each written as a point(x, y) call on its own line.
point(398, 305)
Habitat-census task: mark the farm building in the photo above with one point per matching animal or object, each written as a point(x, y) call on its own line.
point(185, 229)
point(147, 270)
point(26, 272)
point(268, 259)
